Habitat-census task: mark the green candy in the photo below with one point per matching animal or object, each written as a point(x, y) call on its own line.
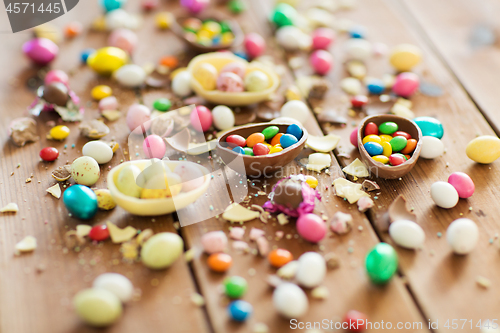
point(283, 15)
point(225, 27)
point(270, 132)
point(398, 143)
point(381, 263)
point(388, 127)
point(248, 151)
point(236, 6)
point(235, 286)
point(162, 104)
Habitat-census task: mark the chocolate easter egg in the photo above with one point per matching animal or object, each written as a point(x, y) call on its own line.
point(56, 93)
point(288, 193)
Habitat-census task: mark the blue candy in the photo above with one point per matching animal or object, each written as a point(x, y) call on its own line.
point(357, 32)
point(240, 310)
point(110, 5)
point(81, 201)
point(288, 140)
point(86, 54)
point(239, 150)
point(373, 148)
point(430, 126)
point(295, 130)
point(375, 86)
point(241, 54)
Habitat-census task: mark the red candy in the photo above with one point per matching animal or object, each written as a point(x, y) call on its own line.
point(354, 137)
point(371, 129)
point(49, 154)
point(99, 233)
point(236, 140)
point(401, 133)
point(201, 118)
point(397, 159)
point(322, 38)
point(355, 321)
point(321, 61)
point(260, 149)
point(359, 101)
point(254, 44)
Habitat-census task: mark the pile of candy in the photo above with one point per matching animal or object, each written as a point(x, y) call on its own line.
point(257, 143)
point(387, 145)
point(209, 32)
point(234, 77)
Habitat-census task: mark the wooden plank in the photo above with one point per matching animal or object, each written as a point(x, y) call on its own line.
point(42, 301)
point(348, 286)
point(451, 33)
point(443, 284)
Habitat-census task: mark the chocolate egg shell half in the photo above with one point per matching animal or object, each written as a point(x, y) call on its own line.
point(288, 193)
point(56, 93)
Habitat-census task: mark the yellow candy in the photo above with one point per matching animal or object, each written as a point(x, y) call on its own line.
point(59, 132)
point(484, 149)
point(312, 181)
point(48, 31)
point(107, 60)
point(385, 137)
point(206, 75)
point(100, 92)
point(387, 149)
point(99, 24)
point(204, 34)
point(372, 138)
point(275, 149)
point(211, 27)
point(104, 199)
point(177, 71)
point(227, 38)
point(204, 40)
point(381, 158)
point(404, 57)
point(163, 20)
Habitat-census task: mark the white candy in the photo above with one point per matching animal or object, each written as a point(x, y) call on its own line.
point(431, 147)
point(223, 117)
point(181, 84)
point(295, 109)
point(85, 171)
point(358, 48)
point(351, 85)
point(290, 301)
point(117, 284)
point(444, 194)
point(120, 18)
point(99, 151)
point(462, 235)
point(407, 234)
point(130, 76)
point(292, 38)
point(286, 120)
point(311, 270)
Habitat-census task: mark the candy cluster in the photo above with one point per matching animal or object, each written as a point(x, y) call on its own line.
point(269, 141)
point(387, 144)
point(208, 32)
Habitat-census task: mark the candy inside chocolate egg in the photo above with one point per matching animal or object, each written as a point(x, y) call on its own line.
point(288, 193)
point(56, 93)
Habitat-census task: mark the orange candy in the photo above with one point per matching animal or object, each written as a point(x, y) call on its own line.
point(279, 257)
point(276, 139)
point(169, 61)
point(219, 262)
point(73, 29)
point(410, 146)
point(254, 139)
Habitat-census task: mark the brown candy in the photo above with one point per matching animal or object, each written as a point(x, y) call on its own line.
point(288, 193)
point(56, 93)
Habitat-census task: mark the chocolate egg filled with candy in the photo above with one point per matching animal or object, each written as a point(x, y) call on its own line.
point(292, 196)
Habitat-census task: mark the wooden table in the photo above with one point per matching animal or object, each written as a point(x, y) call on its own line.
point(432, 284)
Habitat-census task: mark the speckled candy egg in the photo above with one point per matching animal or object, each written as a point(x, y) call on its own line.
point(80, 201)
point(130, 76)
point(99, 151)
point(462, 183)
point(104, 199)
point(85, 171)
point(41, 50)
point(406, 84)
point(124, 39)
point(321, 61)
point(295, 109)
point(107, 60)
point(56, 75)
point(322, 38)
point(237, 68)
point(290, 300)
point(256, 81)
point(97, 307)
point(206, 75)
point(181, 84)
point(462, 235)
point(223, 117)
point(230, 82)
point(311, 227)
point(154, 146)
point(138, 115)
point(201, 118)
point(254, 44)
point(191, 176)
point(444, 194)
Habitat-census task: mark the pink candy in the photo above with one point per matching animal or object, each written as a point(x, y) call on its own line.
point(462, 183)
point(138, 115)
point(406, 84)
point(108, 103)
point(234, 67)
point(41, 50)
point(354, 137)
point(230, 82)
point(311, 227)
point(195, 6)
point(154, 146)
point(201, 118)
point(214, 241)
point(56, 75)
point(322, 38)
point(254, 45)
point(321, 61)
point(124, 39)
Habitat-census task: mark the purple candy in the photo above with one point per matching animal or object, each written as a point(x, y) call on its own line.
point(195, 6)
point(41, 50)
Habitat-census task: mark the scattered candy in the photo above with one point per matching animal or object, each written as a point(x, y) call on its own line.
point(138, 118)
point(49, 154)
point(41, 51)
point(462, 183)
point(107, 60)
point(311, 227)
point(321, 61)
point(240, 310)
point(97, 306)
point(256, 81)
point(406, 84)
point(311, 270)
point(430, 126)
point(81, 201)
point(104, 199)
point(85, 171)
point(59, 132)
point(279, 257)
point(404, 57)
point(381, 263)
point(254, 44)
point(297, 110)
point(322, 38)
point(290, 301)
point(219, 262)
point(99, 233)
point(214, 241)
point(283, 14)
point(235, 286)
point(432, 147)
point(124, 39)
point(116, 284)
point(355, 321)
point(407, 234)
point(484, 149)
point(99, 151)
point(462, 235)
point(161, 250)
point(444, 194)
